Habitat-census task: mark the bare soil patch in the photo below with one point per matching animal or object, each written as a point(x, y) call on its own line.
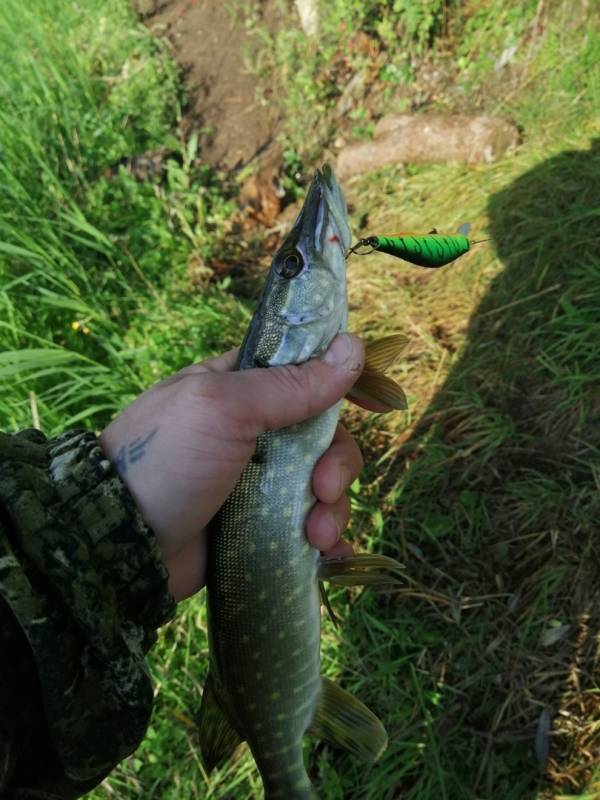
point(214, 47)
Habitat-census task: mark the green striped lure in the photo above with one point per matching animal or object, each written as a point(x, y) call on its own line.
point(426, 250)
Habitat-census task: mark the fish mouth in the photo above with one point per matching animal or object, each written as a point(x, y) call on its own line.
point(300, 310)
point(323, 202)
point(306, 232)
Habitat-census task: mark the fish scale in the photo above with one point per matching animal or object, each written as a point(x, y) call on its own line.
point(264, 685)
point(280, 662)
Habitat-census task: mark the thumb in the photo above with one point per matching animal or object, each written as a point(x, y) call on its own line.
point(280, 396)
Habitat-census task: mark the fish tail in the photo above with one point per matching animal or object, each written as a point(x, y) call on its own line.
point(286, 778)
point(308, 793)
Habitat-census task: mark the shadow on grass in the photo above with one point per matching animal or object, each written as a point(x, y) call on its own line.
point(490, 682)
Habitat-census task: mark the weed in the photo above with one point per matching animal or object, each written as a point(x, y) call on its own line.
point(483, 664)
point(356, 42)
point(89, 252)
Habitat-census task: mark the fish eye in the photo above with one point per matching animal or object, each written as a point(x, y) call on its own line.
point(290, 266)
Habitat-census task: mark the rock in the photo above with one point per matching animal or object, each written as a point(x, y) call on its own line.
point(145, 8)
point(214, 49)
point(308, 11)
point(353, 90)
point(433, 138)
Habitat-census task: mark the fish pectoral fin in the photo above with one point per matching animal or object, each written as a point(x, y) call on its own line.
point(374, 385)
point(382, 353)
point(343, 721)
point(218, 737)
point(360, 570)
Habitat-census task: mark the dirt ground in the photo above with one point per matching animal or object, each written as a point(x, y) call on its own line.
point(214, 47)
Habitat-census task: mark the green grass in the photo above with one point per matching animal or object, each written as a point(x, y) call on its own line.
point(487, 490)
point(492, 498)
point(95, 264)
point(376, 42)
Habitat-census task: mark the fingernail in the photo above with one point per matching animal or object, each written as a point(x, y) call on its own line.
point(344, 476)
point(339, 523)
point(339, 350)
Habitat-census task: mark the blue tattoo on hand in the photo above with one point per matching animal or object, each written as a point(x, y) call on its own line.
point(133, 452)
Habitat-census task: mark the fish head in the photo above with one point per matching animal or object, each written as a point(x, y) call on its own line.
point(303, 304)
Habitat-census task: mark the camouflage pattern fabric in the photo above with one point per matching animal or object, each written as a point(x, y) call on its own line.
point(82, 590)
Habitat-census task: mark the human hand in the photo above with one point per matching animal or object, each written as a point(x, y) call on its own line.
point(182, 445)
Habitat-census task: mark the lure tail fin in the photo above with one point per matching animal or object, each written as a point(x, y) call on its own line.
point(464, 229)
point(343, 721)
point(218, 737)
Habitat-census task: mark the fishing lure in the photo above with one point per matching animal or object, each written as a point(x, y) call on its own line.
point(426, 250)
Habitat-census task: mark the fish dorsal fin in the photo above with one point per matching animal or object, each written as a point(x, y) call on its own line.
point(218, 737)
point(381, 354)
point(343, 721)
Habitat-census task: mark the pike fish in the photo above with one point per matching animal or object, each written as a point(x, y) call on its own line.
point(263, 591)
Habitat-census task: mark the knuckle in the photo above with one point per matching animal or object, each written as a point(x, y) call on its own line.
point(204, 385)
point(299, 384)
point(344, 510)
point(291, 378)
point(359, 460)
point(217, 402)
point(350, 455)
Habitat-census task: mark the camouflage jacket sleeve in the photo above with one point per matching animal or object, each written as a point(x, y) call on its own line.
point(82, 590)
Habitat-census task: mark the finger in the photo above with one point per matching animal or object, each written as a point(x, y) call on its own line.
point(267, 399)
point(223, 363)
point(339, 550)
point(326, 523)
point(187, 568)
point(339, 465)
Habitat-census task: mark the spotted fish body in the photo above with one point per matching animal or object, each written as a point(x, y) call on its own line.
point(264, 685)
point(266, 607)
